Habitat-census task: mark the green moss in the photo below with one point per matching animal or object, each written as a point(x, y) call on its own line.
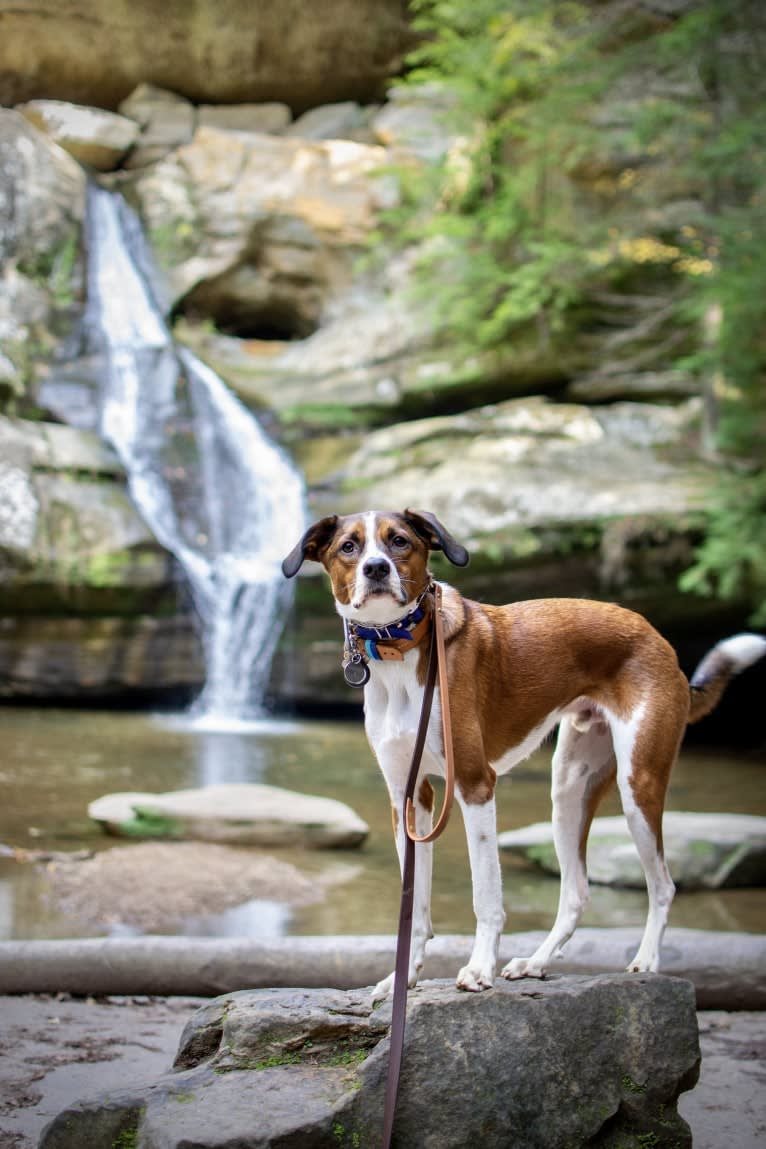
point(173, 241)
point(61, 275)
point(332, 415)
point(631, 1086)
point(105, 569)
point(150, 825)
point(127, 1137)
point(352, 1139)
point(277, 1060)
point(347, 1057)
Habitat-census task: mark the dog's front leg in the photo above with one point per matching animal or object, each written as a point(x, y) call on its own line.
point(422, 930)
point(481, 832)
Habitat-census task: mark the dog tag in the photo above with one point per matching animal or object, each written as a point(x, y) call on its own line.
point(356, 672)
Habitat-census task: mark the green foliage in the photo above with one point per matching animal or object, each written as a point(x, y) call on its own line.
point(731, 563)
point(505, 248)
point(555, 103)
point(727, 151)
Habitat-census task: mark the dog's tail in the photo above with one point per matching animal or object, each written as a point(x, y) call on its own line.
point(717, 669)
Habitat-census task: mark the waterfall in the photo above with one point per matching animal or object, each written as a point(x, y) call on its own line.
point(205, 477)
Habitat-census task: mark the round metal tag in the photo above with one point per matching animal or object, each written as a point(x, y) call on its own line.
point(356, 673)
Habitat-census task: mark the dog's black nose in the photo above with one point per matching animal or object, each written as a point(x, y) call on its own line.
point(376, 569)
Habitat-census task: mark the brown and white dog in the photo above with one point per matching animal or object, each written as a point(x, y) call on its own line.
point(601, 673)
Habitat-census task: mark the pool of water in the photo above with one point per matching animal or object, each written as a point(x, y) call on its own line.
point(54, 762)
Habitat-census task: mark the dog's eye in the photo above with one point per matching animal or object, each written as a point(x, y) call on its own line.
point(348, 547)
point(400, 542)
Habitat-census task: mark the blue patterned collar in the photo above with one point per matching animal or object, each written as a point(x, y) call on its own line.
point(365, 639)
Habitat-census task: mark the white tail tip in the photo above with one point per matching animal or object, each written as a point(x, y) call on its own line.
point(743, 650)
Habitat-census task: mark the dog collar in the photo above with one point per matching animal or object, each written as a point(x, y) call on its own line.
point(386, 643)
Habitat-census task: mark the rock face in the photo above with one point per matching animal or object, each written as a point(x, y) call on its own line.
point(245, 813)
point(703, 851)
point(257, 232)
point(91, 602)
point(258, 220)
point(42, 203)
point(212, 53)
point(572, 1062)
point(550, 498)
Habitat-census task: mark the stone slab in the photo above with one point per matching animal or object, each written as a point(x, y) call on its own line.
point(246, 813)
point(703, 851)
point(577, 1061)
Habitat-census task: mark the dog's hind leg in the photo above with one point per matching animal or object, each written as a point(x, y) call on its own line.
point(583, 769)
point(646, 753)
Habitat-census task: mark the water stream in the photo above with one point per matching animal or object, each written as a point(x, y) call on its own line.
point(205, 477)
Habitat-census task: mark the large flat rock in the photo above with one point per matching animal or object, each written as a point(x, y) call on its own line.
point(246, 813)
point(703, 851)
point(570, 1062)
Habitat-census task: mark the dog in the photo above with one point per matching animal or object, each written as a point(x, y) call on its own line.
point(600, 672)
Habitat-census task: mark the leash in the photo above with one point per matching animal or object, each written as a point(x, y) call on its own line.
point(437, 663)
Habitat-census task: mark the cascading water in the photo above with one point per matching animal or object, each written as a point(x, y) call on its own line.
point(204, 476)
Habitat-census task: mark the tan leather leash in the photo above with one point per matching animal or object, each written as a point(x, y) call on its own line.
point(437, 662)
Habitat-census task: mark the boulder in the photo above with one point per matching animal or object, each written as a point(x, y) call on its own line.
point(417, 122)
point(703, 851)
point(166, 121)
point(273, 118)
point(346, 121)
point(94, 137)
point(570, 1062)
point(244, 813)
point(81, 50)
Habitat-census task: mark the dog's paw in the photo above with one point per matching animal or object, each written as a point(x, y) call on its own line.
point(383, 989)
point(474, 980)
point(638, 965)
point(522, 967)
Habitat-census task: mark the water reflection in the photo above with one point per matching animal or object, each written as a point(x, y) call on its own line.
point(229, 749)
point(255, 919)
point(229, 758)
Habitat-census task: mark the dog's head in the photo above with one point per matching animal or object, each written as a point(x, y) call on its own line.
point(377, 561)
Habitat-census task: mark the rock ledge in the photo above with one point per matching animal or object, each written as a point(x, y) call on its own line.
point(568, 1062)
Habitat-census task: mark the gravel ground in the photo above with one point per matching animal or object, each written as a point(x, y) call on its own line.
point(54, 1050)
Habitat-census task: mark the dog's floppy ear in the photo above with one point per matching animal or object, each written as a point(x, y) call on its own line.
point(438, 537)
point(311, 545)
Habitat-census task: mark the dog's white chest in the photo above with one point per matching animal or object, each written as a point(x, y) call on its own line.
point(393, 700)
